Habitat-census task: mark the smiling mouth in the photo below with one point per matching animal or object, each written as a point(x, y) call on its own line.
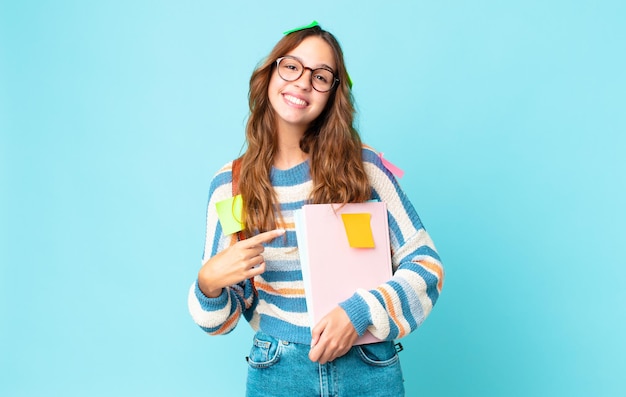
point(294, 100)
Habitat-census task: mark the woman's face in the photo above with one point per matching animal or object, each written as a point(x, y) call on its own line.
point(296, 103)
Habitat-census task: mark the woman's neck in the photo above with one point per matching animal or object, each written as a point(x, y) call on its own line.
point(288, 157)
point(288, 153)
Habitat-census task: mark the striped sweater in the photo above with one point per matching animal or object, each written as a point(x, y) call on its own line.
point(277, 304)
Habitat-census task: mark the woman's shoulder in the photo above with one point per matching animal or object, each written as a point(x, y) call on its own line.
point(371, 156)
point(222, 177)
point(376, 168)
point(224, 171)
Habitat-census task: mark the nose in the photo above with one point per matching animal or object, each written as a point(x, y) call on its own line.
point(304, 81)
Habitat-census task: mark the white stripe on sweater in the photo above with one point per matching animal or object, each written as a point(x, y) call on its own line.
point(380, 321)
point(418, 282)
point(299, 319)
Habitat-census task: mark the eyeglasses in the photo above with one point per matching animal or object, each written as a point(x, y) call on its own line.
point(290, 69)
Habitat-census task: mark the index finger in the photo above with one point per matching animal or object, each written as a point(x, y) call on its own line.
point(265, 237)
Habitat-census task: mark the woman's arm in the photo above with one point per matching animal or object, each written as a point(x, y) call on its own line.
point(223, 290)
point(400, 305)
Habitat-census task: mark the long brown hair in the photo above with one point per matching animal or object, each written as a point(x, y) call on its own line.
point(332, 142)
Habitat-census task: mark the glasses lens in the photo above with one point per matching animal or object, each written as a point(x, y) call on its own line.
point(322, 80)
point(289, 69)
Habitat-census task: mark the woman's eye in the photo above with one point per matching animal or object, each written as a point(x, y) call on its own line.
point(321, 78)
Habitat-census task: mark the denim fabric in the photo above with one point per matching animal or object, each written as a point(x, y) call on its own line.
point(278, 368)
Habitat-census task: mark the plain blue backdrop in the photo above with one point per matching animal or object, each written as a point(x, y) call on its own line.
point(508, 118)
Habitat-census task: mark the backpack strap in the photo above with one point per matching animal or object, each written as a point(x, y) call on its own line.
point(236, 171)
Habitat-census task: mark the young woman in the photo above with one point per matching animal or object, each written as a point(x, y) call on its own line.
point(302, 148)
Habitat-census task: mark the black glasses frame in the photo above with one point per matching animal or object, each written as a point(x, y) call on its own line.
point(335, 79)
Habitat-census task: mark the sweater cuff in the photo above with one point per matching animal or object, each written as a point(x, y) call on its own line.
point(359, 313)
point(211, 304)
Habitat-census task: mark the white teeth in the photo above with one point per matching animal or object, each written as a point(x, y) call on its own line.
point(295, 101)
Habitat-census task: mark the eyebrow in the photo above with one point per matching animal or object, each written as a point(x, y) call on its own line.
point(318, 66)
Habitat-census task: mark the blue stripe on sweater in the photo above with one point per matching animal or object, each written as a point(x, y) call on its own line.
point(210, 330)
point(216, 240)
point(221, 179)
point(394, 230)
point(371, 156)
point(293, 176)
point(279, 242)
point(414, 318)
point(298, 334)
point(275, 276)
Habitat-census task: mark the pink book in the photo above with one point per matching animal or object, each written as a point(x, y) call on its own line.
point(339, 256)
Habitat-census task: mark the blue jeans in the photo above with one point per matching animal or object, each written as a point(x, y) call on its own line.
point(279, 368)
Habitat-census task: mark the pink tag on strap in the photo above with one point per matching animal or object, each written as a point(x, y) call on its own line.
point(392, 168)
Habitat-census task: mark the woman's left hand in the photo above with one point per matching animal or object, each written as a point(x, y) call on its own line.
point(332, 337)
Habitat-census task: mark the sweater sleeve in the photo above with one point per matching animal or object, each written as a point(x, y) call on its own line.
point(399, 306)
point(220, 315)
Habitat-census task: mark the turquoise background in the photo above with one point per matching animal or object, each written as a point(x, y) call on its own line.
point(508, 118)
